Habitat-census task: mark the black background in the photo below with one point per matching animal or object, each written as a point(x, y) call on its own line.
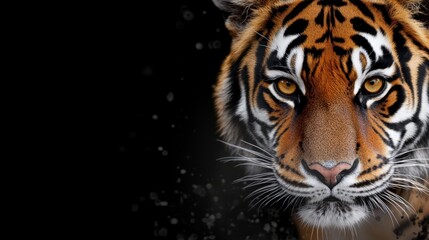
point(165, 180)
point(129, 124)
point(154, 117)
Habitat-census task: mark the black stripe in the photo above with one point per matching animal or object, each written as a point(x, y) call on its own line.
point(418, 44)
point(361, 26)
point(385, 61)
point(297, 10)
point(294, 183)
point(296, 27)
point(339, 16)
point(368, 182)
point(288, 168)
point(340, 51)
point(404, 55)
point(280, 9)
point(400, 99)
point(315, 52)
point(324, 37)
point(363, 42)
point(422, 74)
point(260, 55)
point(298, 41)
point(363, 8)
point(280, 135)
point(234, 83)
point(337, 3)
point(373, 168)
point(274, 63)
point(260, 101)
point(384, 12)
point(320, 18)
point(387, 141)
point(245, 80)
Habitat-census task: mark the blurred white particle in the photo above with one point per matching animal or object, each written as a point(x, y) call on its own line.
point(193, 236)
point(209, 186)
point(170, 96)
point(160, 148)
point(215, 199)
point(188, 15)
point(215, 44)
point(154, 117)
point(163, 203)
point(164, 153)
point(147, 70)
point(267, 227)
point(163, 232)
point(134, 207)
point(153, 196)
point(199, 46)
point(173, 126)
point(274, 224)
point(182, 171)
point(179, 25)
point(199, 190)
point(174, 221)
point(180, 237)
point(204, 12)
point(209, 221)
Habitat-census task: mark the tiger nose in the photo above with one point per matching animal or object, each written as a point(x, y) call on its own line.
point(329, 173)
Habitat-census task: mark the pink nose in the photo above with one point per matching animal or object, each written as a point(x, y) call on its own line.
point(331, 176)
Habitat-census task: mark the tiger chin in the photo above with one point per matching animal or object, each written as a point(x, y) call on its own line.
point(327, 102)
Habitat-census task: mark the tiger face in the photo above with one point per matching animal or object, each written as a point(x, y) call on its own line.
point(330, 99)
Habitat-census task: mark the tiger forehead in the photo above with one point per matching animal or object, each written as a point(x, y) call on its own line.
point(330, 22)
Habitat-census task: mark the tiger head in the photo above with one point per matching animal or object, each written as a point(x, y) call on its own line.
point(330, 99)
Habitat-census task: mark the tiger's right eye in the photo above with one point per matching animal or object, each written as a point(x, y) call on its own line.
point(286, 86)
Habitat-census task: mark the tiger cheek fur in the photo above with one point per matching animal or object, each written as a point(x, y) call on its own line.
point(330, 100)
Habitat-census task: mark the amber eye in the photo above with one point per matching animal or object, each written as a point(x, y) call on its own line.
point(286, 86)
point(374, 85)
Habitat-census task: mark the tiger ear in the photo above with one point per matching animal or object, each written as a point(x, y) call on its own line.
point(419, 9)
point(238, 13)
point(414, 6)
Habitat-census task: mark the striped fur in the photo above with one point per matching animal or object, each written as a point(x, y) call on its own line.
point(331, 50)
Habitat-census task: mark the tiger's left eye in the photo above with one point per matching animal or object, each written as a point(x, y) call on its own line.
point(286, 86)
point(373, 85)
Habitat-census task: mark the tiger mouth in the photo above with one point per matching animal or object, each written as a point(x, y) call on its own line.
point(333, 206)
point(332, 213)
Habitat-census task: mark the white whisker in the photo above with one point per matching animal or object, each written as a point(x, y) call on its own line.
point(409, 176)
point(247, 150)
point(411, 160)
point(409, 151)
point(256, 146)
point(411, 165)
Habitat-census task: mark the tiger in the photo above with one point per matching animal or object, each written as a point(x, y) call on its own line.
point(327, 104)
